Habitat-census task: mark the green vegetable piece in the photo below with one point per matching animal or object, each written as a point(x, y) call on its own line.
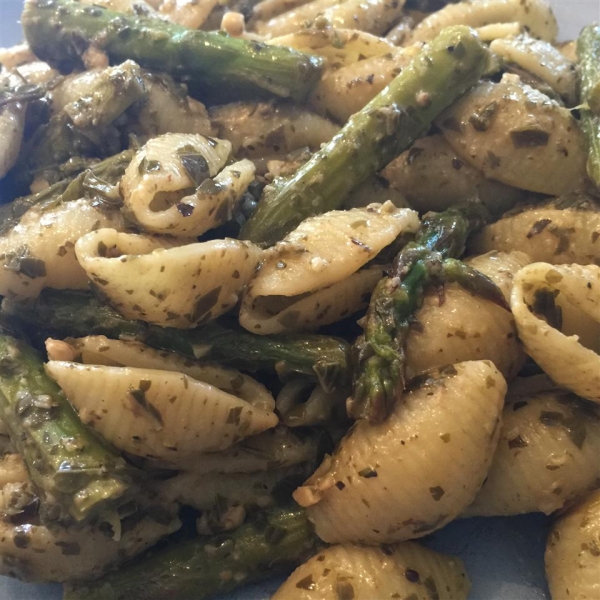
point(76, 314)
point(71, 467)
point(384, 128)
point(270, 543)
point(588, 49)
point(379, 354)
point(211, 63)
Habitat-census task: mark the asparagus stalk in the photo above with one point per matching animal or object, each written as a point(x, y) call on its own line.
point(211, 63)
point(68, 313)
point(588, 49)
point(109, 171)
point(384, 128)
point(379, 353)
point(83, 127)
point(67, 463)
point(268, 544)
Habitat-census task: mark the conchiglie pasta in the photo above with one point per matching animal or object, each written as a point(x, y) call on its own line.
point(99, 350)
point(358, 66)
point(543, 60)
point(32, 551)
point(264, 128)
point(500, 267)
point(176, 287)
point(175, 184)
point(431, 176)
point(547, 456)
point(311, 278)
point(373, 16)
point(557, 311)
point(440, 438)
point(517, 135)
point(573, 552)
point(158, 414)
point(405, 570)
point(339, 47)
point(274, 314)
point(39, 251)
point(535, 15)
point(547, 233)
point(330, 247)
point(466, 326)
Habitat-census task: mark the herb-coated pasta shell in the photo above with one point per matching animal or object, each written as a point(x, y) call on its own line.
point(418, 470)
point(405, 570)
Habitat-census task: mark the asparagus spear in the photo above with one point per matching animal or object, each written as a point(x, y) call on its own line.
point(211, 63)
point(68, 464)
point(68, 313)
point(83, 127)
point(395, 118)
point(588, 49)
point(109, 171)
point(379, 353)
point(270, 543)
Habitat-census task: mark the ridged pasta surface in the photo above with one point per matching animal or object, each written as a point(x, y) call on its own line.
point(418, 470)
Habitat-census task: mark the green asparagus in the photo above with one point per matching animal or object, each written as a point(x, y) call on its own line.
point(268, 544)
point(588, 49)
point(395, 118)
point(211, 63)
point(76, 314)
point(108, 171)
point(73, 470)
point(379, 353)
point(83, 127)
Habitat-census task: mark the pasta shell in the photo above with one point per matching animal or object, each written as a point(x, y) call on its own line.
point(274, 314)
point(418, 470)
point(175, 185)
point(157, 414)
point(518, 136)
point(557, 311)
point(405, 570)
point(174, 287)
point(263, 128)
point(99, 350)
point(39, 251)
point(548, 455)
point(547, 234)
point(466, 326)
point(573, 552)
point(534, 15)
point(432, 177)
point(33, 552)
point(329, 248)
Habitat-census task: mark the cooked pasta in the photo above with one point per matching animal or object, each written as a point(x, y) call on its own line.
point(432, 177)
point(461, 326)
point(535, 15)
point(557, 311)
point(292, 284)
point(180, 286)
point(179, 184)
point(573, 552)
point(404, 570)
point(40, 251)
point(158, 414)
point(32, 551)
point(261, 129)
point(547, 455)
point(563, 231)
point(441, 439)
point(517, 135)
